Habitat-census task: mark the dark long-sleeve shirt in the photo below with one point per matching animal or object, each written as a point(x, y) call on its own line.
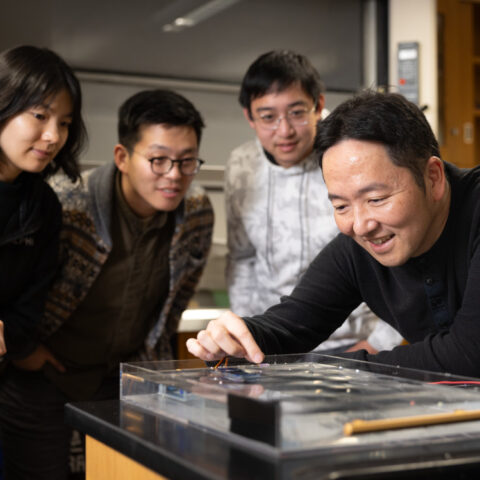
point(433, 300)
point(30, 223)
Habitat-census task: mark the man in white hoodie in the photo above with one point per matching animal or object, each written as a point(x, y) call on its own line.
point(278, 213)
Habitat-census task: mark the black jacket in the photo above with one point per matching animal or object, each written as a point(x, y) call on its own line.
point(433, 300)
point(30, 221)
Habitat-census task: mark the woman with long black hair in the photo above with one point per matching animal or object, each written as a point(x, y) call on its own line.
point(41, 132)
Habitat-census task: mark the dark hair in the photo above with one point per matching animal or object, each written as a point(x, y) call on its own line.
point(277, 70)
point(153, 107)
point(29, 76)
point(387, 118)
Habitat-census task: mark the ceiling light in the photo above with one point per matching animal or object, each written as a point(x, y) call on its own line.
point(198, 15)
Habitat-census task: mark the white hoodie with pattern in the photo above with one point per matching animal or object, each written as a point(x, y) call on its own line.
point(278, 220)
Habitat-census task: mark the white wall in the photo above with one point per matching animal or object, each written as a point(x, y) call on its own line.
point(416, 21)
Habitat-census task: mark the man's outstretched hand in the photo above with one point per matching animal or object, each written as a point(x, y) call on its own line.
point(228, 335)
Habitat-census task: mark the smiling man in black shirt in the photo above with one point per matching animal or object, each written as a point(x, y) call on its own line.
point(408, 247)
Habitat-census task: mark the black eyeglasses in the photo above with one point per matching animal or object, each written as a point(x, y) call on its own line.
point(162, 165)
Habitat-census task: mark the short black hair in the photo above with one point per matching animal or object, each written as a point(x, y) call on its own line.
point(28, 77)
point(387, 118)
point(154, 107)
point(277, 70)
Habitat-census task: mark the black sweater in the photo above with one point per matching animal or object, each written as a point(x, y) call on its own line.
point(432, 300)
point(29, 229)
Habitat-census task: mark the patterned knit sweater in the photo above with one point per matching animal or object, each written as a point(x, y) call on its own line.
point(86, 244)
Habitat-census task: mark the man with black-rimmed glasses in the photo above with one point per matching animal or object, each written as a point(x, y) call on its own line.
point(135, 239)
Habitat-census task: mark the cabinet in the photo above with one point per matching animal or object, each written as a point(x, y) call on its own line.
point(459, 81)
point(105, 463)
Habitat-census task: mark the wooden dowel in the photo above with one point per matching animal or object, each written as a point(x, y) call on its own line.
point(365, 426)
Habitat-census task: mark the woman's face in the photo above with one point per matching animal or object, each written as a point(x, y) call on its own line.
point(30, 140)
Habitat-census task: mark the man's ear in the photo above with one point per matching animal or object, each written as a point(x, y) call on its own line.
point(320, 106)
point(121, 157)
point(320, 103)
point(435, 178)
point(248, 117)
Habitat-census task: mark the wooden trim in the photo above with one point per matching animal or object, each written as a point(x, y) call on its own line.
point(105, 463)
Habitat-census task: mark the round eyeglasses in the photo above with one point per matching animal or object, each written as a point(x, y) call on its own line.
point(162, 165)
point(295, 117)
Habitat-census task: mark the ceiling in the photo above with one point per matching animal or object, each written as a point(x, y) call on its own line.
point(126, 36)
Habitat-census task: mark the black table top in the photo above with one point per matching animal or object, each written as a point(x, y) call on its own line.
point(177, 450)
